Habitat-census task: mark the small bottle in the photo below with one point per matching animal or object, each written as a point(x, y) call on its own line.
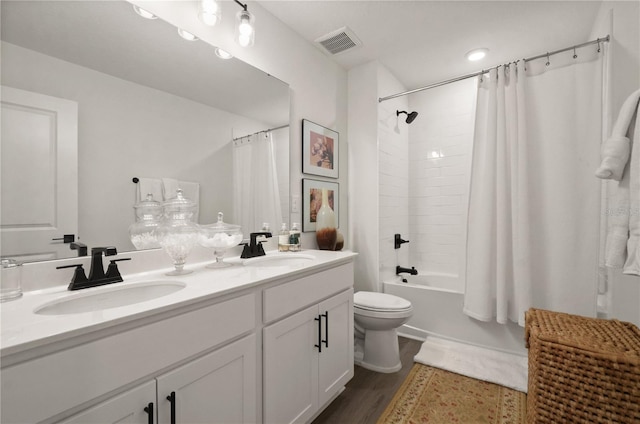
point(283, 239)
point(265, 227)
point(294, 238)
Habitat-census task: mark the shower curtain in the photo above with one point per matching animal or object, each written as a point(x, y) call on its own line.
point(534, 205)
point(256, 193)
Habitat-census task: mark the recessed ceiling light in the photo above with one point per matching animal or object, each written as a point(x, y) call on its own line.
point(187, 35)
point(477, 54)
point(144, 13)
point(222, 54)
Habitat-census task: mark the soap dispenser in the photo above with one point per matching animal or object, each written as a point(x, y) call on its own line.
point(283, 238)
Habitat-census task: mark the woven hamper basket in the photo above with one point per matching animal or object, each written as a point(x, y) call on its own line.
point(582, 370)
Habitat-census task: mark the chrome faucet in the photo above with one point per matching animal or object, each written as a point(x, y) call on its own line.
point(97, 276)
point(254, 248)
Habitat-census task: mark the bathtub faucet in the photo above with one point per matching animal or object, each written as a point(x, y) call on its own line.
point(400, 270)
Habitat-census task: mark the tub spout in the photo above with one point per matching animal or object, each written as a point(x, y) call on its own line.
point(400, 270)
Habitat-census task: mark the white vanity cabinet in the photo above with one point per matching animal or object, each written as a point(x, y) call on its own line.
point(307, 356)
point(200, 354)
point(276, 348)
point(219, 387)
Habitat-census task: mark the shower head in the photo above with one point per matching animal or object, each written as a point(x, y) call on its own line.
point(410, 116)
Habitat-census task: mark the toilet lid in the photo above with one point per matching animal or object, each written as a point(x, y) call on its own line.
point(374, 301)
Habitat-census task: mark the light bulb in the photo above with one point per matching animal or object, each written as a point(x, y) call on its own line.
point(209, 12)
point(245, 28)
point(477, 54)
point(244, 40)
point(144, 13)
point(245, 32)
point(186, 35)
point(222, 54)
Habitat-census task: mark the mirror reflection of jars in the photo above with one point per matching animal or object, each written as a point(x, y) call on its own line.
point(326, 231)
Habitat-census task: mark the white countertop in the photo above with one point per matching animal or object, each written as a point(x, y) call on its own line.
point(22, 329)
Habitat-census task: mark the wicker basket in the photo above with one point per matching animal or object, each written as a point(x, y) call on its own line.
point(582, 370)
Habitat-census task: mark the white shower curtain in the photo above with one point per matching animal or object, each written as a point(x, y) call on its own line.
point(256, 192)
point(533, 218)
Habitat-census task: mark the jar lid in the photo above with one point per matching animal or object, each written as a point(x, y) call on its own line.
point(149, 203)
point(221, 226)
point(179, 203)
point(9, 263)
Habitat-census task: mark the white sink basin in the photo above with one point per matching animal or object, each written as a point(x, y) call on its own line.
point(108, 297)
point(279, 259)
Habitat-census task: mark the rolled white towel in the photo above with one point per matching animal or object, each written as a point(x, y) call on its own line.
point(615, 155)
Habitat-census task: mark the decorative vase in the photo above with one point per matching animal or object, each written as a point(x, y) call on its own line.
point(326, 232)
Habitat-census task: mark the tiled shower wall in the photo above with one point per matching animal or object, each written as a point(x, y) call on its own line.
point(440, 149)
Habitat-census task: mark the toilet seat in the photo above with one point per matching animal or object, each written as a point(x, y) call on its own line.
point(380, 302)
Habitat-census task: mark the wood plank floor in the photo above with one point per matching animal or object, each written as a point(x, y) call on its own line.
point(368, 393)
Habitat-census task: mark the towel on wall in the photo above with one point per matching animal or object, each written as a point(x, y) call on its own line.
point(621, 162)
point(150, 186)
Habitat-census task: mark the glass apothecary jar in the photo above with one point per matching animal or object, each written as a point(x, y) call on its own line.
point(177, 233)
point(148, 216)
point(220, 237)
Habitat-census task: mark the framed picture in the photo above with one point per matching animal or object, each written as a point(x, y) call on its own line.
point(319, 150)
point(312, 200)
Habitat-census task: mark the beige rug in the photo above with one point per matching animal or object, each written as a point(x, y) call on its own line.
point(432, 395)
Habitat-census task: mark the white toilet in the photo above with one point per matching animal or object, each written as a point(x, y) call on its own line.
point(376, 317)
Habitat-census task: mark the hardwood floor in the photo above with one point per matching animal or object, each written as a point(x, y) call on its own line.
point(368, 393)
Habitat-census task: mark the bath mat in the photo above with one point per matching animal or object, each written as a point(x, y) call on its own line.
point(431, 395)
point(484, 364)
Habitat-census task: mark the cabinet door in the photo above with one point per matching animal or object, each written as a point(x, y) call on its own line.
point(290, 368)
point(220, 387)
point(336, 359)
point(126, 408)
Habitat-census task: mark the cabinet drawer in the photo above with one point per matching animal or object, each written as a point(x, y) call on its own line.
point(287, 298)
point(60, 381)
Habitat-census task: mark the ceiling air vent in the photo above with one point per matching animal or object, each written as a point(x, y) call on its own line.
point(339, 41)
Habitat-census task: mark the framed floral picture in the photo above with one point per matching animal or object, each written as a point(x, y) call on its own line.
point(312, 200)
point(319, 150)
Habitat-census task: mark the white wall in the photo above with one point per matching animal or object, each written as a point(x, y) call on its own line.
point(177, 138)
point(440, 148)
point(393, 171)
point(622, 17)
point(363, 182)
point(318, 85)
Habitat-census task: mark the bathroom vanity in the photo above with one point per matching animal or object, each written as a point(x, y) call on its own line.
point(266, 340)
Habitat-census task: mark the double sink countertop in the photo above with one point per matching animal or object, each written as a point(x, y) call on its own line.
point(50, 315)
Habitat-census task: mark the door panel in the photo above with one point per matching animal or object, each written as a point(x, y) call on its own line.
point(39, 174)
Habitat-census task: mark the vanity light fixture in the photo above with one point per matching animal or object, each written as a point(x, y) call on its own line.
point(147, 15)
point(210, 12)
point(223, 54)
point(477, 54)
point(245, 31)
point(187, 35)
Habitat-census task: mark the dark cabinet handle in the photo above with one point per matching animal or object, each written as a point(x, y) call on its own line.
point(172, 399)
point(319, 345)
point(326, 328)
point(149, 410)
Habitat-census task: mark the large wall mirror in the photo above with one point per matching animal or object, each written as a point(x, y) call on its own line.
point(94, 96)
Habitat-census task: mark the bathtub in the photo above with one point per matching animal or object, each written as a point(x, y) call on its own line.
point(437, 310)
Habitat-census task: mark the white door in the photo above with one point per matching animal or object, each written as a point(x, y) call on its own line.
point(132, 407)
point(336, 358)
point(218, 388)
point(39, 174)
point(291, 368)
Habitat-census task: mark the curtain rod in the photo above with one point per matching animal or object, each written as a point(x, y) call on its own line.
point(484, 71)
point(263, 131)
